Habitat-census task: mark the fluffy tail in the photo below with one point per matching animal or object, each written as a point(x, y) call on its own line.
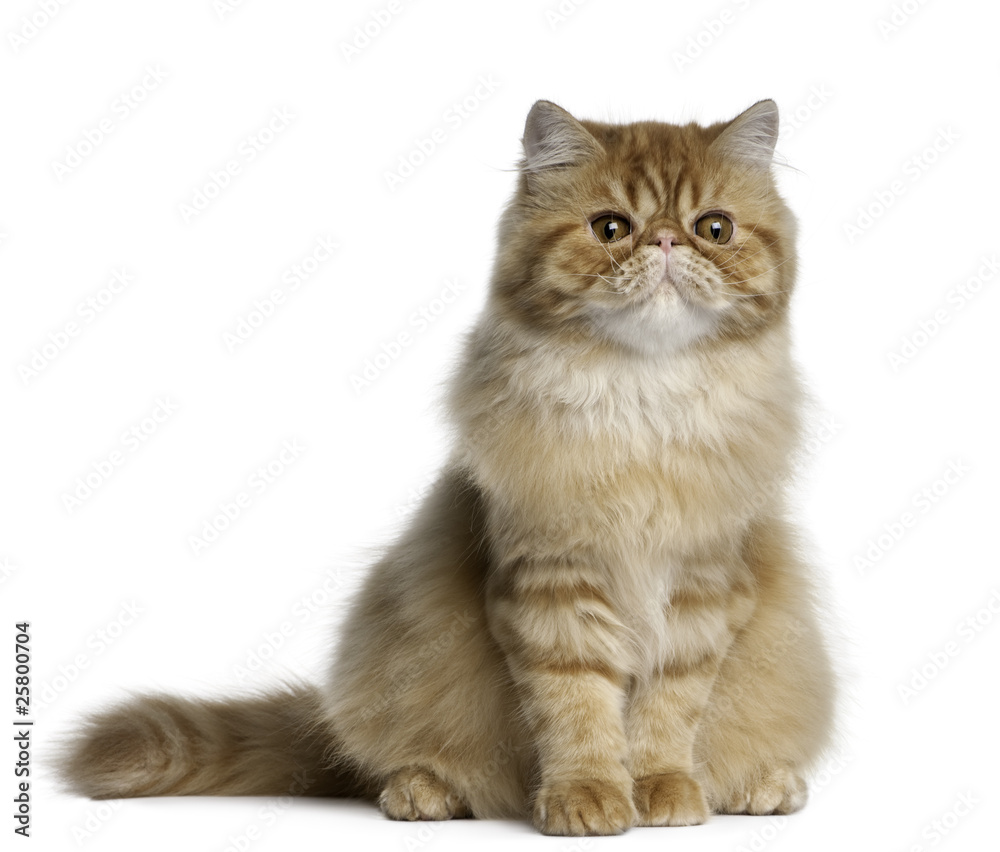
point(160, 745)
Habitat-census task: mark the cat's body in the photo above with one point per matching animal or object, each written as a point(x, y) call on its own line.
point(599, 615)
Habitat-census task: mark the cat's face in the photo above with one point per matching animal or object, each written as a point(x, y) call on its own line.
point(649, 235)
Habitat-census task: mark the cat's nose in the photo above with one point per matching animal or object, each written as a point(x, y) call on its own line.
point(664, 239)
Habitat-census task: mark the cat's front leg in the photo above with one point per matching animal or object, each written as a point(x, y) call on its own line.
point(564, 648)
point(662, 722)
point(666, 707)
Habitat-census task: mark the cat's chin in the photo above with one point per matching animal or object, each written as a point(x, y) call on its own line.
point(664, 323)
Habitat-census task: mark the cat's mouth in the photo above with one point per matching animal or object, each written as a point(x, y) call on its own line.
point(660, 278)
point(694, 279)
point(669, 281)
point(663, 291)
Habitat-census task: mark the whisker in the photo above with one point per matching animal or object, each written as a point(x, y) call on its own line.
point(615, 285)
point(724, 266)
point(757, 295)
point(615, 266)
point(747, 237)
point(759, 275)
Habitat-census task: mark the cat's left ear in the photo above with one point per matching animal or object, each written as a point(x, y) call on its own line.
point(751, 136)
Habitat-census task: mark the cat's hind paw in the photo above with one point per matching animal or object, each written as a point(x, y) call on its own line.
point(413, 793)
point(774, 791)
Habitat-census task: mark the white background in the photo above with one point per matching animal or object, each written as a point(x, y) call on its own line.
point(859, 102)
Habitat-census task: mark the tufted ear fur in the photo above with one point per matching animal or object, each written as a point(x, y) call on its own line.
point(751, 136)
point(554, 139)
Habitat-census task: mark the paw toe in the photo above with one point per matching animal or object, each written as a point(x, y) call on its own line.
point(775, 791)
point(588, 807)
point(414, 793)
point(672, 798)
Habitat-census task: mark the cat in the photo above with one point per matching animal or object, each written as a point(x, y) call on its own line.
point(598, 618)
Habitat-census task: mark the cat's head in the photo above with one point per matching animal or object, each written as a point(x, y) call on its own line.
point(648, 235)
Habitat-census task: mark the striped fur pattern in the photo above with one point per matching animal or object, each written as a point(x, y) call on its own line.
point(599, 618)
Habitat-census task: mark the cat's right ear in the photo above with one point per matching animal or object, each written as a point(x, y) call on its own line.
point(553, 139)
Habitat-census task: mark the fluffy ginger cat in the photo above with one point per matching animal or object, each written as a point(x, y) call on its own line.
point(598, 618)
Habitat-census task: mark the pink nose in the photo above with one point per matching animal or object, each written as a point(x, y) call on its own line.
point(664, 239)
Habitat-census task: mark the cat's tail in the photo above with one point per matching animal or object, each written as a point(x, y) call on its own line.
point(161, 745)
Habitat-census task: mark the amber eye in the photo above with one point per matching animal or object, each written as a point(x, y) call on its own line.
point(610, 227)
point(715, 228)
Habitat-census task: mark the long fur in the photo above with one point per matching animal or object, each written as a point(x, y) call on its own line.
point(599, 617)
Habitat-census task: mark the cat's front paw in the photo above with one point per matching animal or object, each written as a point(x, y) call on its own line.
point(583, 807)
point(672, 798)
